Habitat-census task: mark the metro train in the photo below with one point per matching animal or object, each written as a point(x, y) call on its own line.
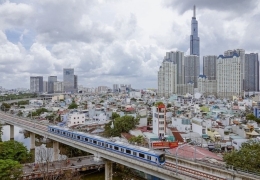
point(155, 157)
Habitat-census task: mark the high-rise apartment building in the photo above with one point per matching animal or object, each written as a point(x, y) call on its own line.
point(58, 87)
point(177, 57)
point(194, 38)
point(45, 86)
point(115, 88)
point(210, 67)
point(229, 76)
point(191, 69)
point(51, 80)
point(68, 80)
point(76, 83)
point(167, 79)
point(241, 54)
point(251, 82)
point(36, 84)
point(207, 87)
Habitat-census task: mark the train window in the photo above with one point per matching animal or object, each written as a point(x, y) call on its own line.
point(149, 157)
point(141, 155)
point(52, 130)
point(63, 133)
point(128, 151)
point(122, 150)
point(111, 147)
point(116, 148)
point(161, 158)
point(58, 131)
point(99, 143)
point(78, 137)
point(107, 145)
point(102, 144)
point(95, 142)
point(86, 139)
point(134, 153)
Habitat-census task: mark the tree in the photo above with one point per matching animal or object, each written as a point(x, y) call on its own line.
point(20, 113)
point(15, 151)
point(73, 105)
point(247, 158)
point(169, 105)
point(137, 139)
point(115, 115)
point(252, 117)
point(121, 124)
point(158, 103)
point(5, 106)
point(10, 169)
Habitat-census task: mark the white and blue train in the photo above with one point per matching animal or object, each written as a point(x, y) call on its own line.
point(140, 153)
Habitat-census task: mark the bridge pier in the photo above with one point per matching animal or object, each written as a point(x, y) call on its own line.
point(108, 170)
point(11, 132)
point(32, 137)
point(55, 150)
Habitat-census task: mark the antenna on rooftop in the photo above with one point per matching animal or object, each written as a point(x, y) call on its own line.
point(194, 11)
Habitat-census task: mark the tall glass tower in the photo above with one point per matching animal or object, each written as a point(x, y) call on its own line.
point(194, 38)
point(68, 80)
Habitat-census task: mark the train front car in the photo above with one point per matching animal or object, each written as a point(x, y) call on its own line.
point(161, 159)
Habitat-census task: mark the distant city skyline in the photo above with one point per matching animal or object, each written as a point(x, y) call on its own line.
point(107, 43)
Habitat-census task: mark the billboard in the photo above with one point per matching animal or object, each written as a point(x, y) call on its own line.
point(164, 144)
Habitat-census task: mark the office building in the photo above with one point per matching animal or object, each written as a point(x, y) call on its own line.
point(191, 69)
point(210, 67)
point(194, 38)
point(167, 79)
point(251, 82)
point(177, 57)
point(58, 87)
point(51, 80)
point(36, 84)
point(45, 86)
point(68, 80)
point(229, 76)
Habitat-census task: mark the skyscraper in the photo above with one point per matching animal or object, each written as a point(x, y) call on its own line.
point(210, 67)
point(241, 54)
point(51, 80)
point(177, 57)
point(251, 82)
point(167, 79)
point(76, 83)
point(36, 84)
point(194, 38)
point(191, 69)
point(68, 80)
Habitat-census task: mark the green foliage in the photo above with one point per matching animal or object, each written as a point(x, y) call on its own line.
point(169, 105)
point(20, 113)
point(73, 105)
point(71, 151)
point(115, 115)
point(38, 112)
point(5, 106)
point(10, 169)
point(101, 101)
point(23, 102)
point(247, 158)
point(137, 139)
point(15, 151)
point(252, 117)
point(121, 124)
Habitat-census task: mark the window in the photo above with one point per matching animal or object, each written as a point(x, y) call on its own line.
point(95, 142)
point(111, 147)
point(141, 155)
point(128, 151)
point(149, 157)
point(52, 130)
point(122, 150)
point(116, 148)
point(86, 139)
point(63, 133)
point(78, 137)
point(58, 131)
point(134, 153)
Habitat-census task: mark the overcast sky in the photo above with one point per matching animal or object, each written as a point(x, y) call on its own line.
point(115, 41)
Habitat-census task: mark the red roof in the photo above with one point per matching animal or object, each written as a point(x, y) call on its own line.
point(176, 134)
point(188, 151)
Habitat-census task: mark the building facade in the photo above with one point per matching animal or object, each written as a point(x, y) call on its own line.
point(177, 57)
point(167, 79)
point(191, 69)
point(241, 54)
point(51, 80)
point(183, 89)
point(207, 87)
point(229, 76)
point(159, 120)
point(68, 80)
point(58, 87)
point(36, 84)
point(45, 86)
point(75, 83)
point(251, 82)
point(210, 67)
point(194, 38)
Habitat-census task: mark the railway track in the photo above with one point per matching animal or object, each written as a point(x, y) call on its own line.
point(193, 174)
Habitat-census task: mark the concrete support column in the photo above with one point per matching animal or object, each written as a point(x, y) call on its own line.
point(108, 170)
point(11, 132)
point(32, 137)
point(55, 151)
